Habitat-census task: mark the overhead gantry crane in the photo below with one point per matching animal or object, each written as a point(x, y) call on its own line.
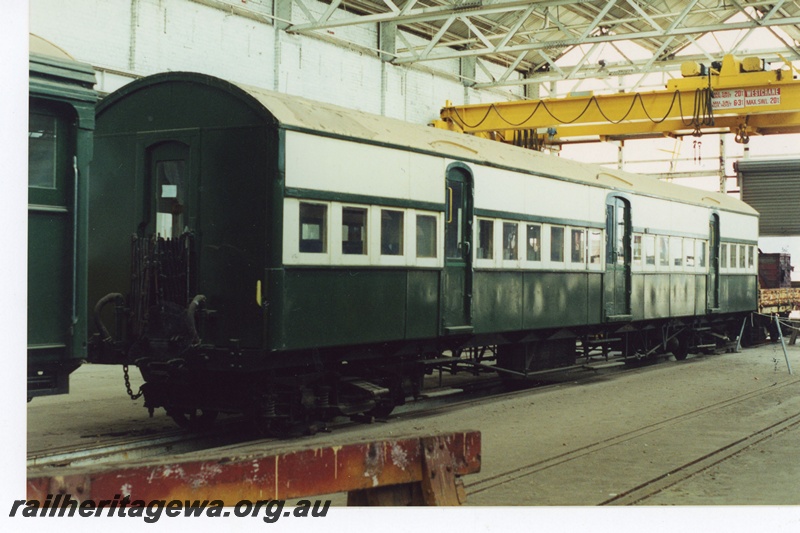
point(733, 96)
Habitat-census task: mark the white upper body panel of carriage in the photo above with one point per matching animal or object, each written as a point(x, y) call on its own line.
point(397, 159)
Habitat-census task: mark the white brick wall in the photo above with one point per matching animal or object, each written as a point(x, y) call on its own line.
point(130, 38)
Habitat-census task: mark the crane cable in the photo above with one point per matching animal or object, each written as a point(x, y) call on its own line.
point(702, 115)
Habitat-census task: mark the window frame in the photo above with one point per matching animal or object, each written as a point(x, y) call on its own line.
point(580, 264)
point(532, 263)
point(485, 262)
point(418, 260)
point(555, 264)
point(599, 265)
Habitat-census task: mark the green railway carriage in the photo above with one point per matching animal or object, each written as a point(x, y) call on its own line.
point(264, 252)
point(61, 120)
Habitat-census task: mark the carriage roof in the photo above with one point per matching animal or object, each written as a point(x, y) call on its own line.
point(296, 113)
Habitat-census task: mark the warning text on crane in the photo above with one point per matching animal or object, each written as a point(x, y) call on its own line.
point(739, 98)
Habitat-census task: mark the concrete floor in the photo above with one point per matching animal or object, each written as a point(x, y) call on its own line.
point(613, 432)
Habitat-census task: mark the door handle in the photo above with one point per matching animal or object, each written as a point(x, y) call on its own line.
point(467, 248)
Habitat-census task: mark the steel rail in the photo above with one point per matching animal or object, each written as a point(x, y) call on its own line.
point(640, 492)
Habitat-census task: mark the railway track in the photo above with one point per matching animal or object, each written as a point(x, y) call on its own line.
point(235, 433)
point(135, 447)
point(642, 491)
point(652, 487)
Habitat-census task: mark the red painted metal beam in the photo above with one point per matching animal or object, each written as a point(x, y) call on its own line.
point(254, 476)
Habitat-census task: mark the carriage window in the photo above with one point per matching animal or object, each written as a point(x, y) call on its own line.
point(171, 199)
point(595, 246)
point(688, 252)
point(391, 232)
point(732, 256)
point(510, 240)
point(426, 236)
point(750, 256)
point(485, 239)
point(637, 249)
point(313, 224)
point(663, 251)
point(578, 246)
point(42, 151)
point(701, 253)
point(354, 231)
point(534, 244)
point(556, 244)
point(723, 255)
point(742, 258)
point(676, 250)
point(650, 250)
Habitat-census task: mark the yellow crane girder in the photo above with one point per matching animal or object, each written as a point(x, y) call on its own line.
point(738, 97)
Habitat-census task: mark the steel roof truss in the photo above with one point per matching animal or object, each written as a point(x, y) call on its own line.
point(409, 46)
point(423, 14)
point(509, 32)
point(760, 23)
point(480, 63)
point(645, 15)
point(513, 66)
point(514, 29)
point(640, 66)
point(598, 19)
point(436, 38)
point(304, 9)
point(478, 33)
point(513, 48)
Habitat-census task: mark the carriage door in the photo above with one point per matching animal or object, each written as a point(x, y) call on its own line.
point(163, 258)
point(457, 276)
point(617, 283)
point(52, 230)
point(713, 262)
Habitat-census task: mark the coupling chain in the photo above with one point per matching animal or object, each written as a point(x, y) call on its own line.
point(128, 385)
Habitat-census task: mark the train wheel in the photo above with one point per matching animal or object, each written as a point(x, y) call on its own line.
point(195, 420)
point(680, 349)
point(382, 410)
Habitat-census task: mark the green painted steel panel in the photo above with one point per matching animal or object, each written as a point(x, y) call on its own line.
point(422, 306)
point(330, 196)
point(553, 299)
point(682, 294)
point(594, 292)
point(656, 296)
point(700, 294)
point(112, 219)
point(638, 298)
point(739, 292)
point(662, 295)
point(498, 301)
point(231, 226)
point(49, 278)
point(454, 299)
point(175, 105)
point(343, 306)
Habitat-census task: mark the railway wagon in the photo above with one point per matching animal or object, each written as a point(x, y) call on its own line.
point(261, 253)
point(61, 120)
